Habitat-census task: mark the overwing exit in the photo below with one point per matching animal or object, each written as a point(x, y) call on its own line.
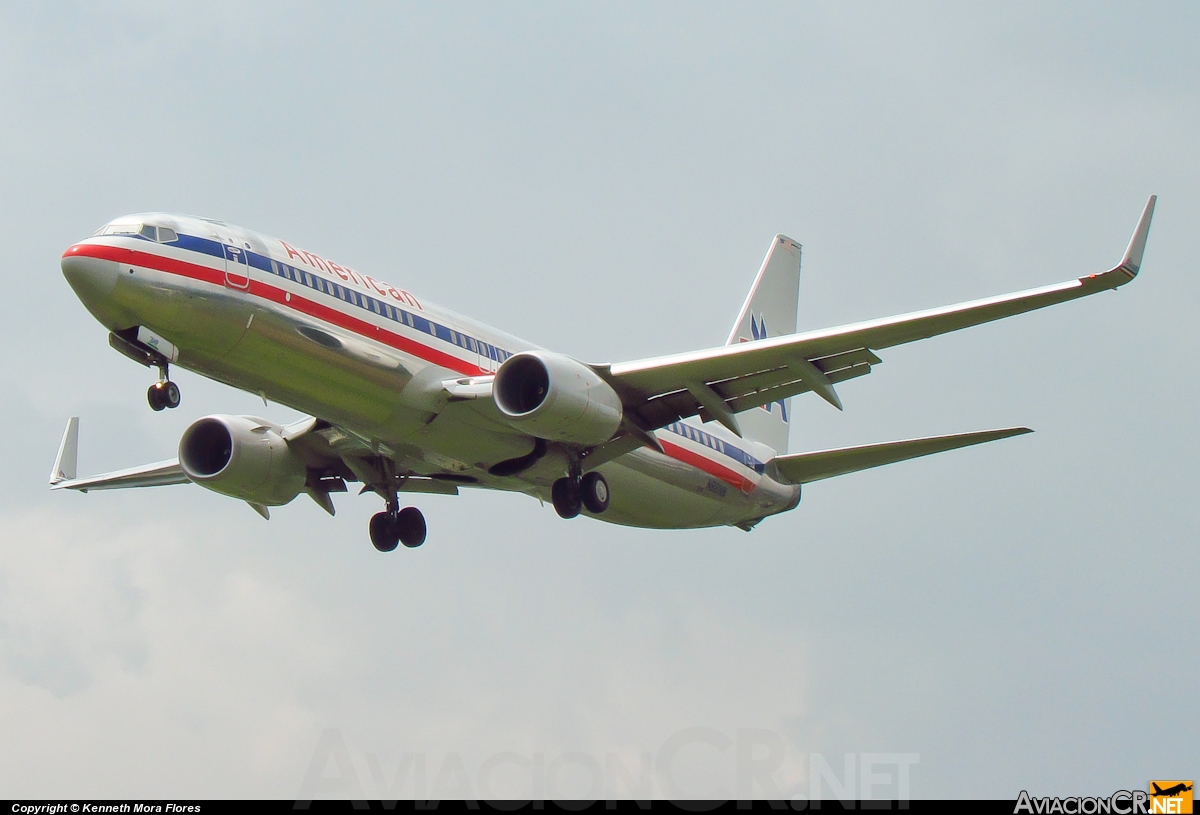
point(405, 397)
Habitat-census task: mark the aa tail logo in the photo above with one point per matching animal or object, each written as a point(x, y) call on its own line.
point(758, 327)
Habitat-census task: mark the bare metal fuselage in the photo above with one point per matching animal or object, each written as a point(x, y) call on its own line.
point(255, 313)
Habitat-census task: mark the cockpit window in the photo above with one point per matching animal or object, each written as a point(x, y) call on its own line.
point(159, 234)
point(123, 229)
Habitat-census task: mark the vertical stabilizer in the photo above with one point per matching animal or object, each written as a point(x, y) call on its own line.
point(770, 311)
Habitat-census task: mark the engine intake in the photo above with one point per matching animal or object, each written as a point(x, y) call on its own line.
point(242, 457)
point(554, 397)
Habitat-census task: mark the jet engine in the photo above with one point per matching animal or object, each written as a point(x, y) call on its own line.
point(554, 397)
point(242, 457)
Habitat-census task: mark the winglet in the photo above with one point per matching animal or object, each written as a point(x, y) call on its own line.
point(67, 463)
point(1132, 261)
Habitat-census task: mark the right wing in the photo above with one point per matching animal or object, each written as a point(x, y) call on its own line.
point(63, 476)
point(803, 468)
point(719, 382)
point(333, 456)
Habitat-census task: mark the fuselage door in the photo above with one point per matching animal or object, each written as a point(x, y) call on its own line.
point(237, 265)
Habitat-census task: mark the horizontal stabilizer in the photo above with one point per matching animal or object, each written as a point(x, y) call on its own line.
point(801, 468)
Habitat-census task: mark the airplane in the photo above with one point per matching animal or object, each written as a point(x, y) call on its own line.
point(408, 398)
point(1169, 792)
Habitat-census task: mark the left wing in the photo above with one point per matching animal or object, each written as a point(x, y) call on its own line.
point(720, 382)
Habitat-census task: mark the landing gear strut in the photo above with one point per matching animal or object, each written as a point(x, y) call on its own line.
point(573, 493)
point(164, 393)
point(394, 525)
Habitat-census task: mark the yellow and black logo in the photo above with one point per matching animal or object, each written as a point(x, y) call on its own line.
point(1170, 797)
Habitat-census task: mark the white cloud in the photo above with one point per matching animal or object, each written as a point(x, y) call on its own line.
point(139, 658)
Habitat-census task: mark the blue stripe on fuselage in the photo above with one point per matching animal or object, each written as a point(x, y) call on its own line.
point(713, 443)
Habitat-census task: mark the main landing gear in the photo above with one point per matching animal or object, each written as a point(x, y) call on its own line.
point(394, 526)
point(574, 493)
point(164, 393)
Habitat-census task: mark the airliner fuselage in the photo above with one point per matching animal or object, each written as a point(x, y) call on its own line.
point(263, 316)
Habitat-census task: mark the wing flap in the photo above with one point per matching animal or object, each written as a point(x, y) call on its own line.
point(804, 468)
point(793, 388)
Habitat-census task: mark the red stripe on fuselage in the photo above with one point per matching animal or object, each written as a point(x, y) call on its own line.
point(707, 465)
point(274, 294)
point(147, 260)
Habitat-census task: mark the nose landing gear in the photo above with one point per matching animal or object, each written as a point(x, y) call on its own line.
point(132, 342)
point(163, 394)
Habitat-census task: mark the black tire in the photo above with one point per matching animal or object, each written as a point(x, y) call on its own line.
point(155, 397)
point(384, 533)
point(595, 493)
point(170, 392)
point(568, 503)
point(410, 525)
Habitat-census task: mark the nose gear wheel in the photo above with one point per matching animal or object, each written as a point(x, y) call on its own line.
point(163, 394)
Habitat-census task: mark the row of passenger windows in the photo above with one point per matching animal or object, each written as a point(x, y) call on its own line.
point(708, 440)
point(389, 311)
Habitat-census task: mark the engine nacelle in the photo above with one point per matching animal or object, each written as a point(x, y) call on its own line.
point(554, 397)
point(242, 457)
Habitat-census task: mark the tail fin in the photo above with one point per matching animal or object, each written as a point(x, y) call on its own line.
point(770, 310)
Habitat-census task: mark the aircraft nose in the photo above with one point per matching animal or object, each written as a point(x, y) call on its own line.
point(92, 278)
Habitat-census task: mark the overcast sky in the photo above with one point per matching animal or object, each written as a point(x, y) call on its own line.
point(604, 180)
